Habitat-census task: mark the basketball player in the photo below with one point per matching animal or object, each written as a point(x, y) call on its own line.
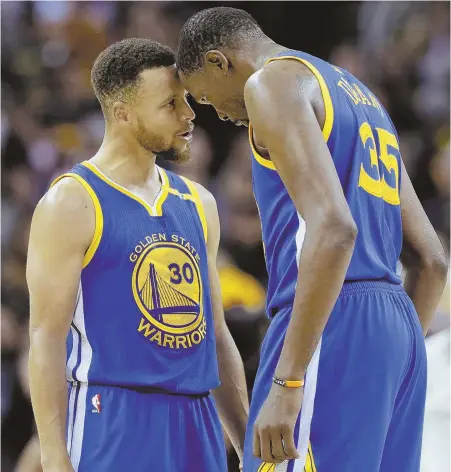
point(346, 340)
point(122, 257)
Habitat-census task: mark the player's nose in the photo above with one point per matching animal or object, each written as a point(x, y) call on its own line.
point(188, 112)
point(222, 116)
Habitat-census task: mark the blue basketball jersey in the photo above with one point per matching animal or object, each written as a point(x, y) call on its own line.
point(143, 315)
point(365, 152)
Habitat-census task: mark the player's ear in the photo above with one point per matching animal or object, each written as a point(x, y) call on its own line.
point(121, 112)
point(216, 58)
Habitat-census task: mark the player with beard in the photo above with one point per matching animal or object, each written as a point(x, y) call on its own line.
point(122, 266)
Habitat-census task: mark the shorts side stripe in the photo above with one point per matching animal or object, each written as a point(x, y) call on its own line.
point(307, 410)
point(71, 416)
point(79, 427)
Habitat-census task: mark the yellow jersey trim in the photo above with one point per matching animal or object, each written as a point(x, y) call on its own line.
point(98, 216)
point(267, 467)
point(260, 159)
point(308, 467)
point(309, 461)
point(153, 210)
point(185, 196)
point(200, 208)
point(163, 194)
point(328, 105)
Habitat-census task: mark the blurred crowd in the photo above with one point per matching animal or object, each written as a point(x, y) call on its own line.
point(50, 120)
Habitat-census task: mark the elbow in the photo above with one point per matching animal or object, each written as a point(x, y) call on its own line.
point(436, 264)
point(341, 230)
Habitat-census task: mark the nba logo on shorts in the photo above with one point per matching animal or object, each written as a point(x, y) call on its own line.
point(96, 403)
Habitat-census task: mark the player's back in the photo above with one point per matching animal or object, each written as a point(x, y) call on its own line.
point(365, 152)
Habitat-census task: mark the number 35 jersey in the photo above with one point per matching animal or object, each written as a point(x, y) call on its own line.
point(365, 152)
point(143, 314)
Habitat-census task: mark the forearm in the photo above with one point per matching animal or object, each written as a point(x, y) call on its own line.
point(231, 397)
point(425, 284)
point(48, 390)
point(30, 458)
point(323, 264)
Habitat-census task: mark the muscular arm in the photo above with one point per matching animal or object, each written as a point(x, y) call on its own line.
point(423, 256)
point(284, 120)
point(30, 458)
point(231, 397)
point(61, 231)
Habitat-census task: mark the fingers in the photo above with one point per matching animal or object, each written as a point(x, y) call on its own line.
point(289, 447)
point(265, 445)
point(256, 443)
point(274, 443)
point(277, 452)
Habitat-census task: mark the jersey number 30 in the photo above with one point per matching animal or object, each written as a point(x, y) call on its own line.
point(378, 186)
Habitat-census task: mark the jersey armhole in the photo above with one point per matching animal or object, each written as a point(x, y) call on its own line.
point(328, 104)
point(199, 206)
point(98, 216)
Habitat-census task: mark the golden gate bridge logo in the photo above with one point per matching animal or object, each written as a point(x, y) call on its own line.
point(167, 288)
point(162, 299)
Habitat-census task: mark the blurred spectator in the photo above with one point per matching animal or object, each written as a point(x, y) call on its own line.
point(240, 222)
point(436, 434)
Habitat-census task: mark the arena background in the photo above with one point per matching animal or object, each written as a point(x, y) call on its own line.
point(51, 120)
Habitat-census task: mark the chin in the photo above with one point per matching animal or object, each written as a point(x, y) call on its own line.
point(176, 155)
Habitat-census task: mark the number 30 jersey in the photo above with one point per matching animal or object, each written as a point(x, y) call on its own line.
point(143, 315)
point(365, 152)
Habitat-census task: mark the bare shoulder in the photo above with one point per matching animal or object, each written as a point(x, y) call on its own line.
point(65, 211)
point(283, 92)
point(278, 78)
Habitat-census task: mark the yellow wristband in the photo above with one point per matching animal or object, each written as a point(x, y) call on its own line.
point(288, 383)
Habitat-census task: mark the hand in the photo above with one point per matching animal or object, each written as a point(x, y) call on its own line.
point(274, 428)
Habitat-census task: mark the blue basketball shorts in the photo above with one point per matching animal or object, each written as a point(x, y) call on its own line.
point(365, 386)
point(113, 429)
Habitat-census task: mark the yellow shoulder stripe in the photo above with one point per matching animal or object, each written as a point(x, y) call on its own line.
point(200, 208)
point(98, 216)
point(328, 105)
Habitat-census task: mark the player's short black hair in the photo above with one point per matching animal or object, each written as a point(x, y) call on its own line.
point(119, 65)
point(211, 29)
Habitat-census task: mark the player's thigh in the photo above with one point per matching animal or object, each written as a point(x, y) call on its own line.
point(203, 437)
point(350, 385)
point(365, 354)
point(402, 450)
point(114, 429)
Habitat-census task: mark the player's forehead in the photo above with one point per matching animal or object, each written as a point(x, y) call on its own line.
point(160, 82)
point(195, 83)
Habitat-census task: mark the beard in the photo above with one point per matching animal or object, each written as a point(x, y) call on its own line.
point(156, 145)
point(177, 156)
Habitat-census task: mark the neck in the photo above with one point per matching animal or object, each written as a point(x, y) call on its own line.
point(124, 160)
point(255, 56)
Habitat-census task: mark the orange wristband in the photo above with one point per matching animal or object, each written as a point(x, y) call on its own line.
point(288, 383)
